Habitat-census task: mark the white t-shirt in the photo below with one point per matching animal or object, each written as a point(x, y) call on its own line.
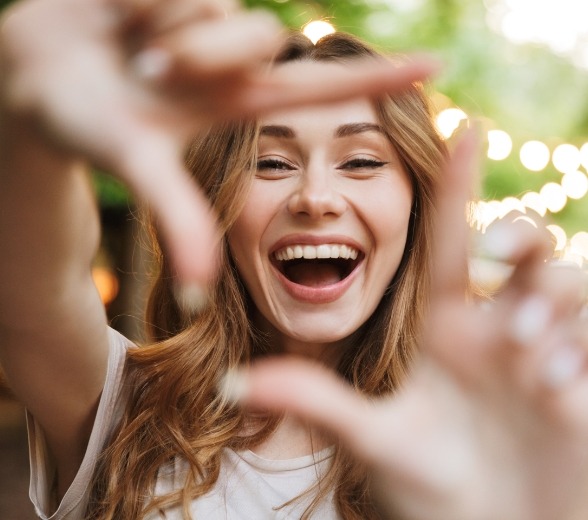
point(249, 487)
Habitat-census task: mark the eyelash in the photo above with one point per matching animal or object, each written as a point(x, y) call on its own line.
point(276, 164)
point(273, 164)
point(362, 163)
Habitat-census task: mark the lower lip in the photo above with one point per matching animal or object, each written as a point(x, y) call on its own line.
point(325, 294)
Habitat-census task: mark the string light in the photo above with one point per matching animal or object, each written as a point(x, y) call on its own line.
point(316, 29)
point(579, 244)
point(448, 121)
point(534, 155)
point(553, 196)
point(560, 236)
point(499, 145)
point(533, 200)
point(512, 204)
point(584, 155)
point(575, 184)
point(566, 158)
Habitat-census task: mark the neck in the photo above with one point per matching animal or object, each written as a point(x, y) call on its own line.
point(324, 352)
point(292, 438)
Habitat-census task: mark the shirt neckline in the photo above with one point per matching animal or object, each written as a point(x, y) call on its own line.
point(297, 463)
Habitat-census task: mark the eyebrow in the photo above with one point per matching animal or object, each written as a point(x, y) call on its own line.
point(277, 131)
point(285, 132)
point(358, 128)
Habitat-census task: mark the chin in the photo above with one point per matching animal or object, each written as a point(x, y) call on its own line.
point(316, 330)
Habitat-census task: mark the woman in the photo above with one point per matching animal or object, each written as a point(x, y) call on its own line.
point(128, 433)
point(327, 265)
point(134, 125)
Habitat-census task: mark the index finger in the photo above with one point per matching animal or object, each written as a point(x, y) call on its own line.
point(306, 82)
point(450, 248)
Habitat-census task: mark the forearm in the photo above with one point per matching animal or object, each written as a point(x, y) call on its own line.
point(52, 324)
point(49, 227)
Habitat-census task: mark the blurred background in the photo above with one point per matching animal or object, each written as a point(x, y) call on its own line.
point(518, 67)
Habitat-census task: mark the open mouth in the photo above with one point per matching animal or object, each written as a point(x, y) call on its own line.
point(317, 266)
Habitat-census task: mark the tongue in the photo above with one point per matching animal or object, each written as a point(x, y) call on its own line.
point(314, 275)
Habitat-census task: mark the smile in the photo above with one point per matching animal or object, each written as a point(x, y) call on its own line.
point(316, 266)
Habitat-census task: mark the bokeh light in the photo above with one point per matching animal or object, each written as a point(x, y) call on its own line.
point(560, 25)
point(579, 244)
point(499, 145)
point(316, 29)
point(561, 238)
point(575, 184)
point(584, 155)
point(106, 282)
point(566, 158)
point(554, 197)
point(512, 204)
point(448, 121)
point(534, 155)
point(533, 200)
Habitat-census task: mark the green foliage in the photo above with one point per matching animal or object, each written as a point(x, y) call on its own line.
point(110, 192)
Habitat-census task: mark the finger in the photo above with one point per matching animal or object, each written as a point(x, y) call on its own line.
point(311, 82)
point(534, 294)
point(530, 310)
point(562, 371)
point(221, 46)
point(564, 285)
point(152, 166)
point(520, 244)
point(155, 16)
point(450, 252)
point(311, 392)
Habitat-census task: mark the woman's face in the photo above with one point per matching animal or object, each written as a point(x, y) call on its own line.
point(324, 225)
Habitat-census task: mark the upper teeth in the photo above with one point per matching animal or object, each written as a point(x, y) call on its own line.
point(311, 252)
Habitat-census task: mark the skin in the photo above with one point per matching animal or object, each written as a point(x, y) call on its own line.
point(482, 430)
point(75, 92)
point(481, 407)
point(308, 189)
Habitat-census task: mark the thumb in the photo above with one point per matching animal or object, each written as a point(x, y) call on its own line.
point(309, 391)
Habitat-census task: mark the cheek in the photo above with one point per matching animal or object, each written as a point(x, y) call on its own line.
point(388, 214)
point(245, 236)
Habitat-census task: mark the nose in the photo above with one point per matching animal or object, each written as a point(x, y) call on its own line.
point(317, 195)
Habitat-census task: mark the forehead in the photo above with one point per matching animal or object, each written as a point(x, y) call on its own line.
point(324, 117)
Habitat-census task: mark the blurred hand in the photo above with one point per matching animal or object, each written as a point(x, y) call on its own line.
point(126, 83)
point(493, 422)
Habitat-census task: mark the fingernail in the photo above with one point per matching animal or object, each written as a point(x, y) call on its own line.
point(151, 64)
point(191, 298)
point(234, 385)
point(530, 319)
point(563, 366)
point(499, 242)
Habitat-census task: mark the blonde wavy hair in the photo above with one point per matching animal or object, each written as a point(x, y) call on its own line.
point(174, 409)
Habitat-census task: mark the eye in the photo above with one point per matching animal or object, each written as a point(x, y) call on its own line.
point(273, 164)
point(274, 168)
point(362, 163)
